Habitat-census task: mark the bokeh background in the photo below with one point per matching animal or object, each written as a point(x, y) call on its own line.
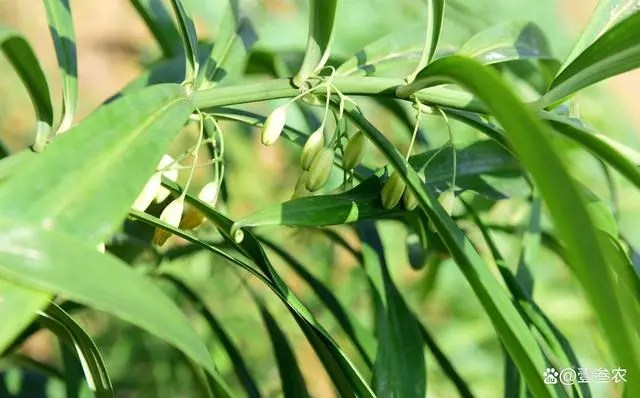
point(113, 48)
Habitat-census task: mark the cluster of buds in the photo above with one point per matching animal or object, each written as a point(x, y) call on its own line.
point(174, 213)
point(395, 190)
point(318, 155)
point(153, 190)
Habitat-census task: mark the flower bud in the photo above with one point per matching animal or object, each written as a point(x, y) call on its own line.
point(314, 144)
point(409, 199)
point(193, 218)
point(354, 152)
point(209, 192)
point(320, 169)
point(101, 247)
point(274, 124)
point(171, 173)
point(447, 199)
point(149, 192)
point(392, 191)
point(172, 214)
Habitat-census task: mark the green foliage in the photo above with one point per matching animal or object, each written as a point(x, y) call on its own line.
point(87, 211)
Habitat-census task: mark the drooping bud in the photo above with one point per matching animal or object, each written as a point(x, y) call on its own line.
point(171, 173)
point(392, 191)
point(193, 217)
point(101, 247)
point(447, 200)
point(274, 124)
point(409, 199)
point(172, 214)
point(354, 152)
point(314, 144)
point(320, 169)
point(148, 193)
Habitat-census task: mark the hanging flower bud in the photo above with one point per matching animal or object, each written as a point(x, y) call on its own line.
point(354, 152)
point(170, 215)
point(409, 199)
point(447, 200)
point(314, 144)
point(392, 191)
point(149, 192)
point(193, 217)
point(171, 174)
point(320, 169)
point(274, 124)
point(101, 247)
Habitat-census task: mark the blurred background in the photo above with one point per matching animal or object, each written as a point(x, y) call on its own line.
point(114, 46)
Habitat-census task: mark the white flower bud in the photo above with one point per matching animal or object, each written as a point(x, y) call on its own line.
point(171, 174)
point(172, 214)
point(209, 193)
point(149, 192)
point(101, 248)
point(274, 124)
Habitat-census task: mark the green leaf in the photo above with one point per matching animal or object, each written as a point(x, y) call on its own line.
point(18, 307)
point(607, 14)
point(64, 39)
point(509, 325)
point(84, 170)
point(361, 338)
point(445, 365)
point(480, 167)
point(291, 380)
point(343, 373)
point(616, 51)
point(24, 61)
point(435, 16)
point(95, 371)
point(399, 368)
point(510, 41)
point(567, 207)
point(189, 40)
point(239, 366)
point(49, 261)
point(401, 45)
point(321, 18)
point(234, 41)
point(159, 22)
point(622, 158)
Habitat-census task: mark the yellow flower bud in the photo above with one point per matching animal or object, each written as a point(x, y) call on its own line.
point(171, 173)
point(354, 152)
point(314, 144)
point(149, 192)
point(392, 191)
point(172, 214)
point(193, 217)
point(274, 124)
point(320, 169)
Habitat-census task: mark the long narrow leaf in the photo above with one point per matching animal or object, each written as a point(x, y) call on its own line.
point(158, 20)
point(49, 261)
point(64, 40)
point(615, 52)
point(567, 207)
point(435, 16)
point(189, 40)
point(18, 307)
point(25, 62)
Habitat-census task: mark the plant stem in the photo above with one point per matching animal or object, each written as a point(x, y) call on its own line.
point(348, 85)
